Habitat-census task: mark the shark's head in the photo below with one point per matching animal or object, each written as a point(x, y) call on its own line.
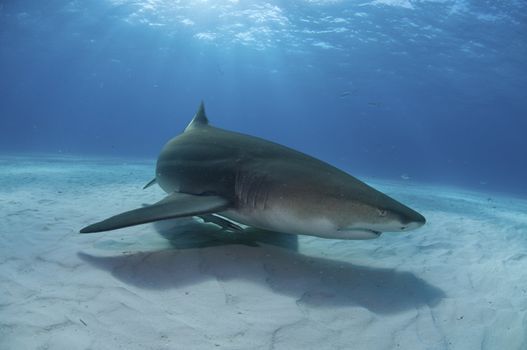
point(368, 220)
point(342, 212)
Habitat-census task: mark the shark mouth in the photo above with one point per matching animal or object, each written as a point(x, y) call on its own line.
point(360, 233)
point(373, 232)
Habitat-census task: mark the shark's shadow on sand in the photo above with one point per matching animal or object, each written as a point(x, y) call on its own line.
point(202, 252)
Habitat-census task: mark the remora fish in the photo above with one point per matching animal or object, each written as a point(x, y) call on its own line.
point(230, 178)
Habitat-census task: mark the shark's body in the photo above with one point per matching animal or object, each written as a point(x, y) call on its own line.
point(230, 178)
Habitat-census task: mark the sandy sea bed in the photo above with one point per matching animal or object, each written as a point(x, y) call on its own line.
point(458, 283)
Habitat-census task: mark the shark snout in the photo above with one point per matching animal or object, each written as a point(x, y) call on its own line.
point(411, 220)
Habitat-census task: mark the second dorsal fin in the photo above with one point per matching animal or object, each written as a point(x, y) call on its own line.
point(200, 118)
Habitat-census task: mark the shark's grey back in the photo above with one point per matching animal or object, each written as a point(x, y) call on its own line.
point(217, 159)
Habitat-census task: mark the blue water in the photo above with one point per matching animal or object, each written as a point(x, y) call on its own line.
point(430, 91)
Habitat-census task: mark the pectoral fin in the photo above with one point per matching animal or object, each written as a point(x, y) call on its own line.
point(174, 206)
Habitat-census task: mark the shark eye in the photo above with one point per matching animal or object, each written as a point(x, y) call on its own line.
point(381, 212)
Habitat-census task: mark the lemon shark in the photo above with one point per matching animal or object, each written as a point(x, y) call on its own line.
point(236, 180)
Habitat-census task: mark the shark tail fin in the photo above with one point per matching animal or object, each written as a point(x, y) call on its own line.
point(176, 205)
point(200, 118)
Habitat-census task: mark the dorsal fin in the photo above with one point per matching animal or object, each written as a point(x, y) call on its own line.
point(200, 118)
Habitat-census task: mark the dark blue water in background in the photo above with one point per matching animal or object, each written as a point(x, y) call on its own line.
point(434, 91)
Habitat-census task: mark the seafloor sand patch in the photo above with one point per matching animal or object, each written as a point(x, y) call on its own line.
point(458, 283)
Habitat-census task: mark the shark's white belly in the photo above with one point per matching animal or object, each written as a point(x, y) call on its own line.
point(280, 220)
point(286, 221)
